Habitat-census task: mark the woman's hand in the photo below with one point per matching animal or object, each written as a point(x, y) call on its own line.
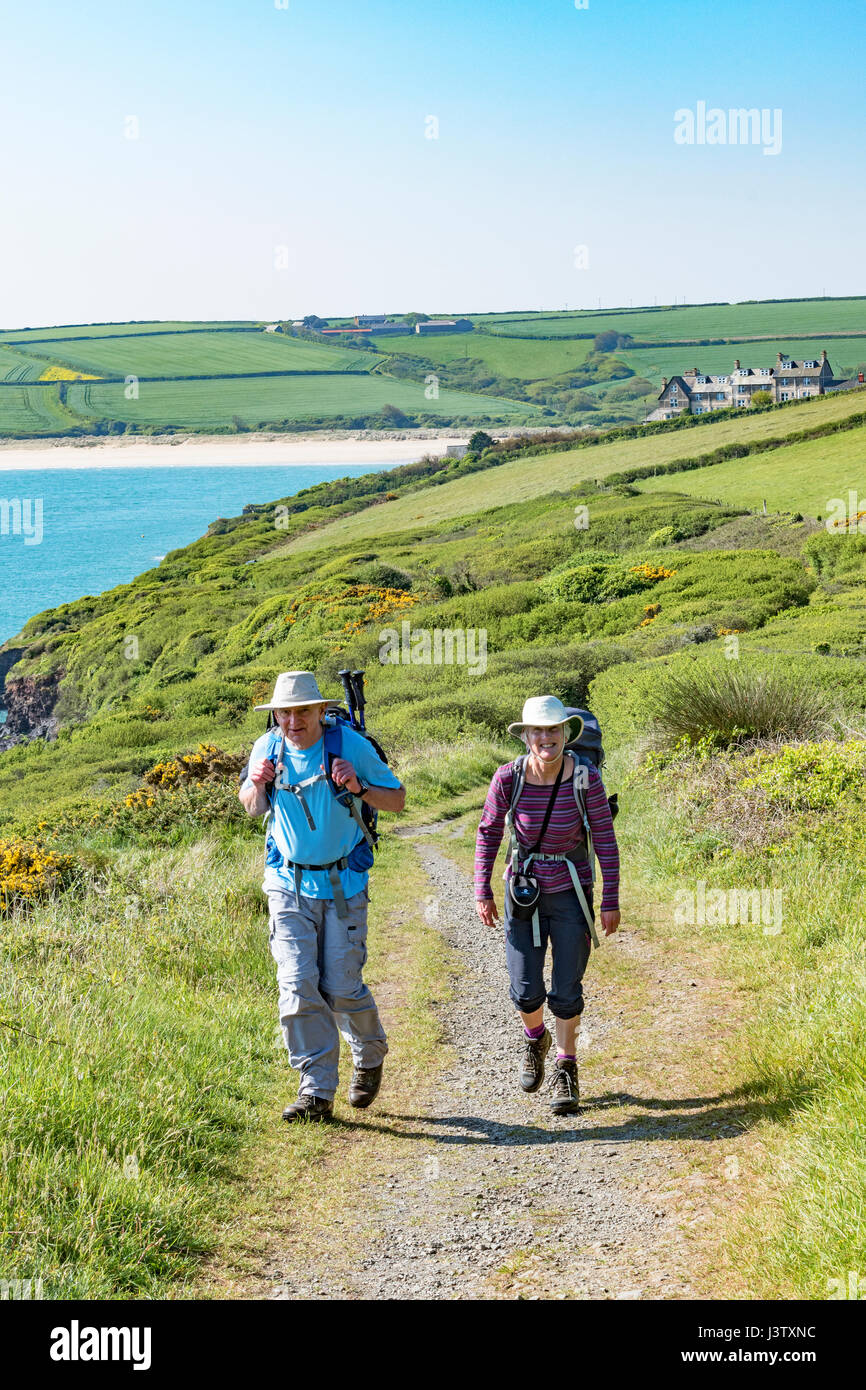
point(610, 922)
point(487, 911)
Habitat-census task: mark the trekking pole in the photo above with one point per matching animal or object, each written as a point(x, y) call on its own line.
point(358, 684)
point(346, 678)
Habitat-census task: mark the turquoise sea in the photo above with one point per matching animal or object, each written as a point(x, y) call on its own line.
point(102, 526)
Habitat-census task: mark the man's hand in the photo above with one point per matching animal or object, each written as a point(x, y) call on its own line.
point(262, 772)
point(487, 911)
point(345, 775)
point(610, 922)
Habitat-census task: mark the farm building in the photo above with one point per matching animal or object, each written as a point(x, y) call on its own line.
point(399, 326)
point(696, 393)
point(444, 326)
point(370, 320)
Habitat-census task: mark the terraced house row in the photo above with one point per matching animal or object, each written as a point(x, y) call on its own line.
point(697, 392)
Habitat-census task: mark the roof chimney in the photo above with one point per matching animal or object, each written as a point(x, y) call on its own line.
point(779, 357)
point(664, 382)
point(823, 354)
point(736, 364)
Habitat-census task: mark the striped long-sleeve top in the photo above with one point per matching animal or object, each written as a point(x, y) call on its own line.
point(564, 832)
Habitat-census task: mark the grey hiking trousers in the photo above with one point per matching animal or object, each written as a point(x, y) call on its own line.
point(319, 958)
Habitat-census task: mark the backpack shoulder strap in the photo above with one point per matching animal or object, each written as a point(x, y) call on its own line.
point(518, 782)
point(580, 782)
point(333, 738)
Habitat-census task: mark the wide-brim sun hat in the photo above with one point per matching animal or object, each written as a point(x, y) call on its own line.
point(545, 711)
point(296, 688)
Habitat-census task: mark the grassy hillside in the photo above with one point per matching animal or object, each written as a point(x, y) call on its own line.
point(548, 362)
point(697, 321)
point(129, 876)
point(262, 401)
point(113, 330)
point(801, 477)
point(523, 478)
point(201, 354)
point(529, 361)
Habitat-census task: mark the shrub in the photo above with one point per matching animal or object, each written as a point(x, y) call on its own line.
point(176, 812)
point(809, 776)
point(603, 579)
point(666, 535)
point(217, 697)
point(480, 441)
point(733, 703)
point(28, 872)
point(207, 764)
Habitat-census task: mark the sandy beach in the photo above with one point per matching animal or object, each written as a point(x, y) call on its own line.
point(209, 451)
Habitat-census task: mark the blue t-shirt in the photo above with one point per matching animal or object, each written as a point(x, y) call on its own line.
point(336, 832)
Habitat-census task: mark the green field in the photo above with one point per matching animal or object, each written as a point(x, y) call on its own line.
point(33, 410)
point(799, 478)
point(718, 359)
point(818, 316)
point(523, 479)
point(527, 361)
point(265, 400)
point(547, 360)
point(16, 365)
point(109, 330)
point(203, 354)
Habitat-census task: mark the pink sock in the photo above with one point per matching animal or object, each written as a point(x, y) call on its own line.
point(534, 1032)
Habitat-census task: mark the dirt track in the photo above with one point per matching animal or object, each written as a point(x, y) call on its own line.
point(491, 1195)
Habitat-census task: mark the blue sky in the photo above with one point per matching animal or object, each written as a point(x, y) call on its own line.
point(305, 128)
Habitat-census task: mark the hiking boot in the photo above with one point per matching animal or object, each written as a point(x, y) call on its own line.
point(566, 1093)
point(309, 1108)
point(364, 1086)
point(534, 1052)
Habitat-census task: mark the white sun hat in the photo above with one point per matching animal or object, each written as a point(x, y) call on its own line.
point(296, 688)
point(545, 711)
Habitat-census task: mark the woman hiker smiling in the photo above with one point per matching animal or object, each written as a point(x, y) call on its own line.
point(548, 840)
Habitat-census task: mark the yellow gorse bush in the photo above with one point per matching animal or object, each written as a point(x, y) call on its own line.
point(206, 764)
point(651, 572)
point(378, 603)
point(651, 612)
point(29, 872)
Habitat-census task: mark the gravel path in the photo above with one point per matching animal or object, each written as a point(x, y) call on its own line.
point(491, 1195)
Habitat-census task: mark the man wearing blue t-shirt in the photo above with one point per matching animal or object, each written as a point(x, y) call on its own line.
point(316, 862)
